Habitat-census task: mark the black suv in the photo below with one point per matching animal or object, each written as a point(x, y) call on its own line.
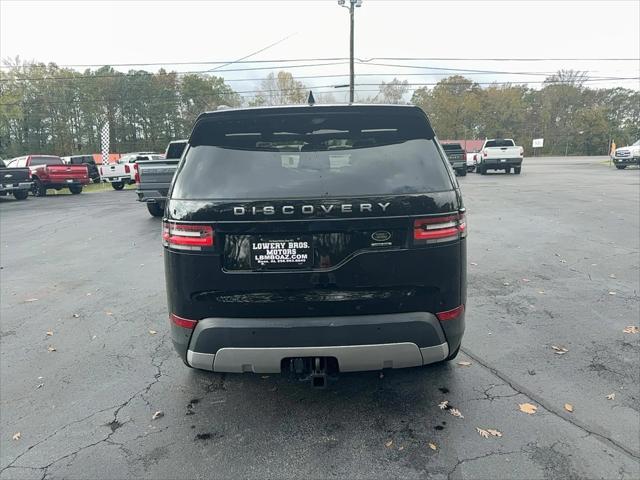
point(457, 157)
point(315, 239)
point(87, 160)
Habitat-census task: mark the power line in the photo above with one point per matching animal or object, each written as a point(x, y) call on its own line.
point(435, 59)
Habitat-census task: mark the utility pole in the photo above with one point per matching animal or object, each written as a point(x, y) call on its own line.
point(352, 7)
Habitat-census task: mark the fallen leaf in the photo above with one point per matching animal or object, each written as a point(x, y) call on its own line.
point(51, 349)
point(40, 385)
point(493, 432)
point(94, 337)
point(483, 433)
point(152, 332)
point(563, 261)
point(525, 280)
point(89, 294)
point(389, 444)
point(381, 375)
point(264, 376)
point(455, 412)
point(612, 293)
point(464, 364)
point(433, 446)
point(631, 329)
point(541, 292)
point(611, 396)
point(401, 448)
point(16, 436)
point(475, 265)
point(443, 405)
point(31, 300)
point(528, 408)
point(109, 313)
point(612, 275)
point(568, 407)
point(506, 284)
point(49, 333)
point(75, 315)
point(40, 378)
point(158, 414)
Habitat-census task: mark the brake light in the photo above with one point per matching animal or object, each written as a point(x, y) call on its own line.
point(127, 169)
point(450, 314)
point(183, 322)
point(136, 176)
point(440, 229)
point(521, 151)
point(475, 157)
point(484, 152)
point(183, 236)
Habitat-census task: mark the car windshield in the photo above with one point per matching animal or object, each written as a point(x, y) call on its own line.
point(46, 161)
point(311, 155)
point(451, 146)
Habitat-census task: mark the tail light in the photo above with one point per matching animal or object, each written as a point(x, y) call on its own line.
point(187, 236)
point(521, 151)
point(439, 229)
point(183, 322)
point(136, 173)
point(450, 314)
point(127, 169)
point(475, 157)
point(484, 152)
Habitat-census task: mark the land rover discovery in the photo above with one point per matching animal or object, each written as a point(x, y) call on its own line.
point(315, 239)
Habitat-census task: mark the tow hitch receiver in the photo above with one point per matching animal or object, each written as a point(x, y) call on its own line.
point(318, 370)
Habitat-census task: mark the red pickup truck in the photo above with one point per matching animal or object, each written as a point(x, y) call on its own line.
point(48, 171)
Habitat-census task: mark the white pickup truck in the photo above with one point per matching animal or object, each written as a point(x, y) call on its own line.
point(500, 154)
point(123, 173)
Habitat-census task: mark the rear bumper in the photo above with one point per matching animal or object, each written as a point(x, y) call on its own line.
point(125, 179)
point(155, 196)
point(10, 187)
point(58, 185)
point(499, 163)
point(456, 165)
point(358, 342)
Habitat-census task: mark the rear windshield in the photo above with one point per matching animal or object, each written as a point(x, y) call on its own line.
point(500, 143)
point(81, 160)
point(175, 149)
point(311, 155)
point(448, 147)
point(46, 161)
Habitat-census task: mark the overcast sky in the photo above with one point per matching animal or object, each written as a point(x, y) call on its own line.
point(116, 32)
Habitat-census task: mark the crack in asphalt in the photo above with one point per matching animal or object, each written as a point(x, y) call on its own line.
point(480, 457)
point(557, 412)
point(114, 422)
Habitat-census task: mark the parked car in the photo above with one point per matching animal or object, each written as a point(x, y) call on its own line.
point(624, 156)
point(154, 177)
point(49, 171)
point(315, 240)
point(457, 157)
point(500, 154)
point(87, 160)
point(472, 161)
point(122, 173)
point(14, 180)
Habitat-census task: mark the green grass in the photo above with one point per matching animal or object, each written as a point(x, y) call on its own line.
point(91, 188)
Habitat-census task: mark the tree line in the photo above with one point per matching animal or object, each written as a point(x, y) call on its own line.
point(45, 108)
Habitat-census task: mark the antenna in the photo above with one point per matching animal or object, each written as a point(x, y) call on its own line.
point(311, 100)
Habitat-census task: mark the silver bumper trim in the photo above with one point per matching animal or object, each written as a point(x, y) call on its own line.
point(351, 358)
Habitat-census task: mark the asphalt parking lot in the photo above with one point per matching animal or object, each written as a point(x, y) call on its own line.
point(553, 261)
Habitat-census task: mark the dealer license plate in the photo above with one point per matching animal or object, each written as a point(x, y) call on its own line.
point(269, 253)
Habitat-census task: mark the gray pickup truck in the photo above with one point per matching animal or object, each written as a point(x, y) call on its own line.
point(15, 179)
point(154, 177)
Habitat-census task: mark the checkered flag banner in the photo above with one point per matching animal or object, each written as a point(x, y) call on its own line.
point(105, 143)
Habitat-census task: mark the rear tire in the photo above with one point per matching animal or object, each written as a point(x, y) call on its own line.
point(507, 170)
point(21, 194)
point(97, 180)
point(462, 172)
point(38, 188)
point(76, 189)
point(516, 170)
point(621, 167)
point(482, 169)
point(117, 185)
point(155, 209)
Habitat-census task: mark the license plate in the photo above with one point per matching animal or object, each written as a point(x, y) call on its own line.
point(503, 160)
point(281, 253)
point(69, 180)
